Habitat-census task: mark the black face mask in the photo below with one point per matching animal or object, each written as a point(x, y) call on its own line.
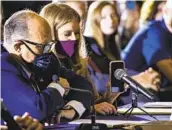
point(41, 62)
point(43, 65)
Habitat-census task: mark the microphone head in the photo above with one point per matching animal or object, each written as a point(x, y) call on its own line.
point(119, 73)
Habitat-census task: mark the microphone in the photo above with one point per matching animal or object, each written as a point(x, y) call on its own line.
point(6, 116)
point(120, 74)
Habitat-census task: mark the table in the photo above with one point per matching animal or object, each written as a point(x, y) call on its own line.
point(115, 118)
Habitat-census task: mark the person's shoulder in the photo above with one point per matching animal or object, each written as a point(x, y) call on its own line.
point(156, 25)
point(141, 32)
point(90, 40)
point(151, 25)
point(158, 30)
point(7, 62)
point(2, 47)
point(91, 44)
point(5, 57)
point(138, 37)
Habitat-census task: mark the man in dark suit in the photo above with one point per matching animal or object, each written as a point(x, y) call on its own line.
point(27, 71)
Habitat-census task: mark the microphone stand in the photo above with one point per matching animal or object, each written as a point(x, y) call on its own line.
point(84, 126)
point(93, 125)
point(135, 105)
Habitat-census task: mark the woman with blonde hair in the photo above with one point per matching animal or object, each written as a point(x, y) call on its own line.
point(69, 47)
point(102, 46)
point(103, 21)
point(58, 16)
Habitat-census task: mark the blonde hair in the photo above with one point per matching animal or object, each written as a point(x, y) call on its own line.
point(95, 18)
point(58, 15)
point(146, 10)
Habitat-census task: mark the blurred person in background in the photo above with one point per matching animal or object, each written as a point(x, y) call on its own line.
point(80, 7)
point(98, 51)
point(151, 10)
point(103, 22)
point(69, 47)
point(129, 21)
point(151, 46)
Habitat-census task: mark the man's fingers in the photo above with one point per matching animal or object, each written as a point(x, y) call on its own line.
point(24, 121)
point(35, 125)
point(105, 108)
point(27, 121)
point(3, 127)
point(111, 108)
point(154, 73)
point(157, 82)
point(150, 69)
point(17, 118)
point(99, 108)
point(40, 127)
point(101, 112)
point(25, 115)
point(21, 119)
point(155, 76)
point(68, 114)
point(64, 83)
point(154, 87)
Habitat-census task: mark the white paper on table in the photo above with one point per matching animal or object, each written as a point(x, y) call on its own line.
point(108, 122)
point(158, 105)
point(171, 116)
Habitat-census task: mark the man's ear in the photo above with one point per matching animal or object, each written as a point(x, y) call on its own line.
point(17, 46)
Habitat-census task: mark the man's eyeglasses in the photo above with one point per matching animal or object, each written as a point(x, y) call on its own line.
point(45, 48)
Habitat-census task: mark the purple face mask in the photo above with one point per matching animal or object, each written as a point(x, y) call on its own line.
point(68, 46)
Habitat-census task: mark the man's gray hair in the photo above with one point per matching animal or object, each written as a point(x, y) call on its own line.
point(16, 27)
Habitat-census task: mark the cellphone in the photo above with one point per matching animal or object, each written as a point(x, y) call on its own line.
point(116, 85)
